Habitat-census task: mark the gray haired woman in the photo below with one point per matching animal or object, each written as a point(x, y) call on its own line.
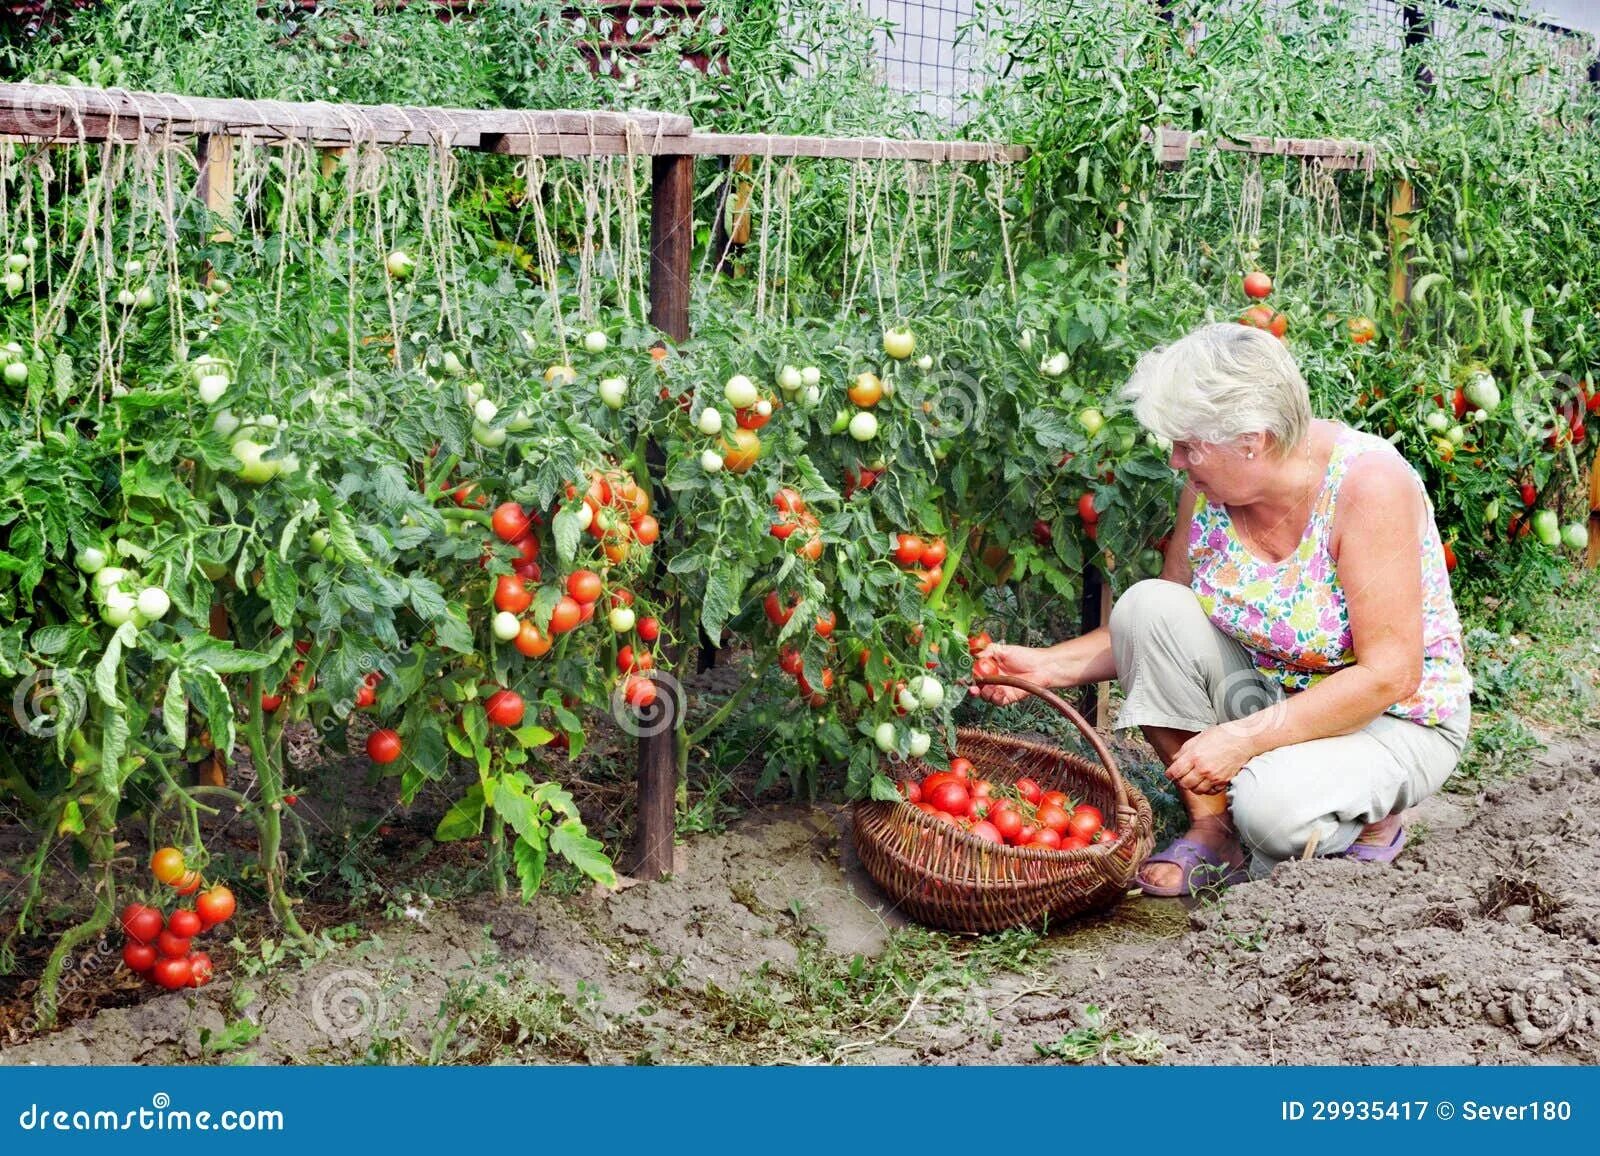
point(1298, 665)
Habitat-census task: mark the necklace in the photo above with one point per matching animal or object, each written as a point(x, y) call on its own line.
point(1307, 500)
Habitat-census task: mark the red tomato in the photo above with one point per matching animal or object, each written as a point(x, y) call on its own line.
point(365, 696)
point(200, 970)
point(172, 946)
point(982, 789)
point(826, 623)
point(527, 548)
point(1105, 835)
point(1449, 557)
point(188, 884)
point(1053, 817)
point(952, 797)
point(988, 832)
point(509, 522)
point(647, 530)
point(271, 702)
point(504, 708)
point(927, 808)
point(1257, 285)
point(184, 923)
point(648, 629)
point(1086, 510)
point(639, 692)
point(586, 611)
point(979, 808)
point(936, 780)
point(985, 668)
point(141, 923)
point(528, 571)
point(945, 817)
point(172, 973)
point(531, 642)
point(1529, 492)
point(384, 746)
point(1047, 839)
point(911, 791)
point(584, 585)
point(138, 956)
point(1029, 832)
point(215, 906)
point(1074, 843)
point(565, 616)
point(1058, 798)
point(1086, 820)
point(1007, 822)
point(788, 501)
point(908, 549)
point(511, 594)
point(961, 768)
point(777, 614)
point(928, 580)
point(790, 661)
point(1030, 791)
point(167, 865)
point(934, 554)
point(978, 643)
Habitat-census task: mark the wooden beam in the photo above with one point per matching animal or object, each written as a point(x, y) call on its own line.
point(842, 148)
point(55, 112)
point(216, 181)
point(1176, 144)
point(1090, 603)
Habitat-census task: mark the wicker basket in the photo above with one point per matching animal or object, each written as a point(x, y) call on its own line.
point(941, 876)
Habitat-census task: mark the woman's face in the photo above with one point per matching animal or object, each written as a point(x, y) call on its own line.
point(1225, 472)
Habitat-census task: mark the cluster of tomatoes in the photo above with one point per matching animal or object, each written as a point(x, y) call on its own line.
point(790, 661)
point(1024, 815)
point(158, 947)
point(792, 516)
point(925, 559)
point(299, 682)
point(1258, 286)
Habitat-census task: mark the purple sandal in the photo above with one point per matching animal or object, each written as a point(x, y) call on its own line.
point(1192, 859)
point(1367, 853)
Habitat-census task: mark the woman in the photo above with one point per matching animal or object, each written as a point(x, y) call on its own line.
point(1298, 665)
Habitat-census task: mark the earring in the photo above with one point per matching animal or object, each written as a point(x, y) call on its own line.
point(1251, 454)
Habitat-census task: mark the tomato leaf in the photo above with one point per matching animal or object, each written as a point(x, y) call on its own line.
point(725, 582)
point(529, 858)
point(574, 844)
point(557, 798)
point(883, 790)
point(175, 710)
point(464, 819)
point(532, 736)
point(105, 671)
point(205, 688)
point(282, 588)
point(567, 531)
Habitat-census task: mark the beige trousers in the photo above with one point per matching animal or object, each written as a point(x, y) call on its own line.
point(1178, 670)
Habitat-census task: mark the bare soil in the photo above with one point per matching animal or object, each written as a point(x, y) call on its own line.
point(1480, 945)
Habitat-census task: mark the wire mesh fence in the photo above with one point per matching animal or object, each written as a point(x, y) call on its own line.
point(938, 51)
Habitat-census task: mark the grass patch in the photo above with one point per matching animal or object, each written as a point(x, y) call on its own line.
point(1096, 1041)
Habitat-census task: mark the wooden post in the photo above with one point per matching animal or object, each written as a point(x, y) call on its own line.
point(1592, 559)
point(216, 189)
point(1401, 205)
point(671, 244)
point(1091, 617)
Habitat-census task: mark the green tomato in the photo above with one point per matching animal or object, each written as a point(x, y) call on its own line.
point(154, 603)
point(17, 373)
point(1438, 421)
point(489, 439)
point(1547, 527)
point(918, 742)
point(864, 426)
point(1491, 512)
point(740, 391)
point(254, 466)
point(1092, 420)
point(614, 391)
point(319, 542)
point(1576, 536)
point(453, 365)
point(213, 570)
point(709, 422)
point(399, 264)
point(1150, 562)
point(91, 559)
point(107, 577)
point(929, 691)
point(841, 421)
point(1482, 391)
point(884, 736)
point(505, 626)
point(118, 607)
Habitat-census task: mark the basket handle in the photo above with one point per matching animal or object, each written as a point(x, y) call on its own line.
point(1065, 708)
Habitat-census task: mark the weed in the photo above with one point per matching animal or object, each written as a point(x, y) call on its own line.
point(1094, 1040)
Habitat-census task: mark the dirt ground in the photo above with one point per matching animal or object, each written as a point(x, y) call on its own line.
point(1481, 945)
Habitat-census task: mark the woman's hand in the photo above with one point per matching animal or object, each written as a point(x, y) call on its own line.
point(1207, 763)
point(1034, 664)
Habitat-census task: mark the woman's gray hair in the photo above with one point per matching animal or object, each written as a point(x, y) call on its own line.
point(1220, 383)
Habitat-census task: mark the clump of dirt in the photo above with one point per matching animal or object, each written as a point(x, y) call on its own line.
point(1480, 945)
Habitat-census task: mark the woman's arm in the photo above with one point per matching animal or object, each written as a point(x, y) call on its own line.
point(1377, 542)
point(1086, 659)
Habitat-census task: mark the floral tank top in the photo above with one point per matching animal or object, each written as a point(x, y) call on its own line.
point(1292, 615)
